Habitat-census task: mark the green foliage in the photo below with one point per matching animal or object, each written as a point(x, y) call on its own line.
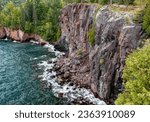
point(79, 52)
point(138, 18)
point(91, 36)
point(146, 19)
point(58, 34)
point(71, 1)
point(136, 76)
point(83, 1)
point(128, 20)
point(104, 2)
point(101, 1)
point(10, 16)
point(41, 16)
point(124, 1)
point(101, 61)
point(3, 2)
point(33, 16)
point(140, 2)
point(146, 42)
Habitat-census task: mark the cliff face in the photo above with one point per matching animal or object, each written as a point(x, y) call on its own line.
point(75, 21)
point(100, 66)
point(115, 38)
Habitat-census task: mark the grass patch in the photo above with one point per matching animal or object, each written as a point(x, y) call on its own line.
point(79, 52)
point(91, 31)
point(91, 36)
point(123, 8)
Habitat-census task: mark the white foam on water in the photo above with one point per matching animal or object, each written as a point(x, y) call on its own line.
point(34, 42)
point(52, 49)
point(6, 39)
point(71, 92)
point(35, 58)
point(15, 41)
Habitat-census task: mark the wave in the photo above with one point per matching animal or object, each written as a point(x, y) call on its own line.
point(67, 90)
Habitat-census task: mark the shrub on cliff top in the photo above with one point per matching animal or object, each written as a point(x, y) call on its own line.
point(136, 76)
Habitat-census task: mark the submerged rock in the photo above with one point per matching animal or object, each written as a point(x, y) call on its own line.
point(97, 66)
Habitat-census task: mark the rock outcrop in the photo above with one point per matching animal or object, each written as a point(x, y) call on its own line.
point(20, 36)
point(97, 66)
point(2, 33)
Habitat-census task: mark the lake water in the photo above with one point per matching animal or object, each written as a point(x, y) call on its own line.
point(19, 82)
point(27, 78)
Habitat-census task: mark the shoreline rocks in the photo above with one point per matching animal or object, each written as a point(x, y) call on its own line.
point(20, 36)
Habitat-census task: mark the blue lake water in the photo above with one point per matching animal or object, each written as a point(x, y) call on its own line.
point(19, 82)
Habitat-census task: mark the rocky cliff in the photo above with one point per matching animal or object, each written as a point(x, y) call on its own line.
point(97, 66)
point(20, 36)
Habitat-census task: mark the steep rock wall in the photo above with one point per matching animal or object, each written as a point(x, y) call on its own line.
point(75, 20)
point(98, 67)
point(115, 38)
